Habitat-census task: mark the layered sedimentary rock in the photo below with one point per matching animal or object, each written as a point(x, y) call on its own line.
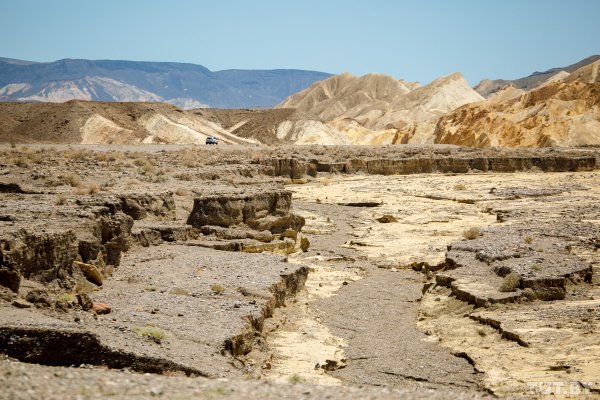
point(565, 112)
point(372, 109)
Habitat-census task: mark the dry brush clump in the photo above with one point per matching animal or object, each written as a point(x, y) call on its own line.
point(61, 199)
point(184, 177)
point(510, 283)
point(217, 288)
point(472, 233)
point(189, 158)
point(71, 179)
point(80, 154)
point(154, 334)
point(182, 192)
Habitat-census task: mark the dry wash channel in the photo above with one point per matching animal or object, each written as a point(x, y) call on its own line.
point(506, 267)
point(170, 260)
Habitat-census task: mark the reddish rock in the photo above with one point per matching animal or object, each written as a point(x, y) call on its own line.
point(100, 308)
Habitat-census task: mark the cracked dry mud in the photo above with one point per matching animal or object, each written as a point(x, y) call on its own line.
point(214, 269)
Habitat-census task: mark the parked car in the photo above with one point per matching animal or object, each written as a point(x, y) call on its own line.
point(212, 140)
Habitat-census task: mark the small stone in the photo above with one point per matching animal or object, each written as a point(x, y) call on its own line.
point(386, 219)
point(156, 391)
point(20, 303)
point(304, 244)
point(90, 272)
point(39, 297)
point(345, 283)
point(100, 308)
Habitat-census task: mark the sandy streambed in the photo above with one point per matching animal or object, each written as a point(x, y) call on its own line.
point(303, 346)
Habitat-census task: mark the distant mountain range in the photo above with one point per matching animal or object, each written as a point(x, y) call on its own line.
point(184, 85)
point(559, 107)
point(488, 87)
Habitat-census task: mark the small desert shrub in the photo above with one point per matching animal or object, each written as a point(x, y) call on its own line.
point(528, 239)
point(152, 333)
point(540, 249)
point(77, 155)
point(217, 289)
point(160, 177)
point(140, 161)
point(147, 169)
point(536, 267)
point(189, 160)
point(295, 378)
point(460, 186)
point(35, 157)
point(101, 156)
point(182, 192)
point(71, 179)
point(108, 184)
point(150, 288)
point(81, 191)
point(256, 155)
point(180, 292)
point(66, 298)
point(61, 199)
point(93, 189)
point(21, 162)
point(510, 283)
point(326, 181)
point(216, 393)
point(472, 233)
point(184, 177)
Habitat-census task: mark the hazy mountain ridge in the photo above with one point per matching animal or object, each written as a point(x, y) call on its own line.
point(487, 87)
point(562, 110)
point(185, 85)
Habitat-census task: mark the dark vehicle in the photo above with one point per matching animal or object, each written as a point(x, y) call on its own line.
point(212, 140)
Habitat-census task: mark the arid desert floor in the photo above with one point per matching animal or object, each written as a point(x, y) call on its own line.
point(413, 272)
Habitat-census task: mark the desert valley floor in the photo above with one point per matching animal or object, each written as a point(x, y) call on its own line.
point(232, 272)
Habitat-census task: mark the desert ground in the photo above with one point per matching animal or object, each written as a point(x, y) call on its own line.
point(180, 271)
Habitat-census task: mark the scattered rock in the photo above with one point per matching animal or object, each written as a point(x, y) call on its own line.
point(361, 204)
point(386, 219)
point(100, 308)
point(84, 301)
point(262, 236)
point(39, 297)
point(20, 303)
point(10, 278)
point(90, 272)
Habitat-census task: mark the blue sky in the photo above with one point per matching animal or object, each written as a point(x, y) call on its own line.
point(413, 40)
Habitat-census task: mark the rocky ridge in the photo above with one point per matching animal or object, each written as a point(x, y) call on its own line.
point(563, 112)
